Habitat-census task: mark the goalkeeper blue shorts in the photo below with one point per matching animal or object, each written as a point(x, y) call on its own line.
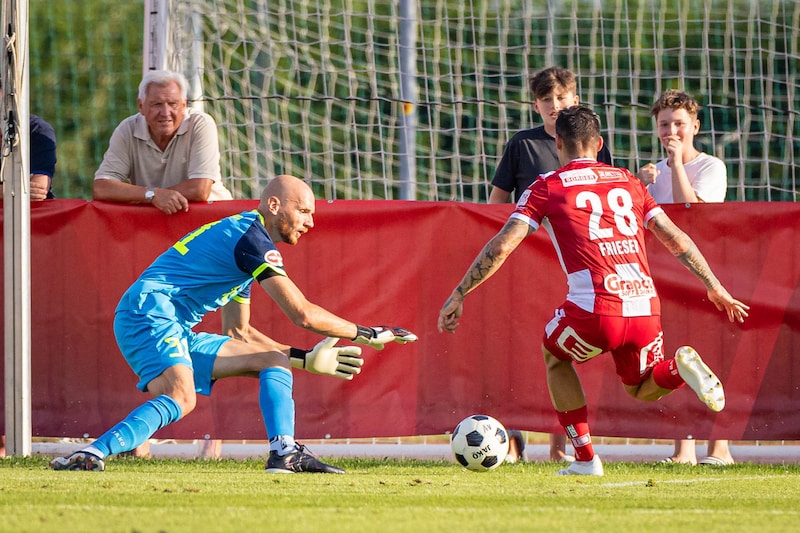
point(151, 344)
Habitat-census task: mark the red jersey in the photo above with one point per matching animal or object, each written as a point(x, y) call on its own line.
point(596, 216)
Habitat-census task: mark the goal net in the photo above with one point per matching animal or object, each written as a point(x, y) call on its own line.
point(330, 89)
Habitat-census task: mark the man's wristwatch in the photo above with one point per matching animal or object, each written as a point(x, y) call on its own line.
point(149, 195)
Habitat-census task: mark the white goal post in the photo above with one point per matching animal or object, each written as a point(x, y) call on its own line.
point(14, 165)
point(321, 88)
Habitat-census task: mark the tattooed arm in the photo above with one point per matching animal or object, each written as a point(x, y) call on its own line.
point(685, 250)
point(488, 262)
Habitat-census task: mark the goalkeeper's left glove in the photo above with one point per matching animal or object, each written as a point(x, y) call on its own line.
point(326, 358)
point(378, 336)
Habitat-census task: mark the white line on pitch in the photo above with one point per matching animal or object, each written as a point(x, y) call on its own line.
point(693, 480)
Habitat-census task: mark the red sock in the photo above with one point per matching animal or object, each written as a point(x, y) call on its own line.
point(577, 427)
point(666, 376)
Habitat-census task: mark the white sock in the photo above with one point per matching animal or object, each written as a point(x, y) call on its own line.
point(283, 444)
point(94, 451)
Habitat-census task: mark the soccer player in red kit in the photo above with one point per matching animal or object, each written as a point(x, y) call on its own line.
point(595, 215)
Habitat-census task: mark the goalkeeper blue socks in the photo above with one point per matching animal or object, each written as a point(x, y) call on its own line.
point(275, 400)
point(277, 407)
point(137, 427)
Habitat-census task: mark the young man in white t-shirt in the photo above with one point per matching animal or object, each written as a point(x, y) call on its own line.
point(685, 176)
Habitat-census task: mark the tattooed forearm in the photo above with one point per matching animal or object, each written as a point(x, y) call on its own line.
point(493, 255)
point(683, 247)
point(484, 266)
point(695, 262)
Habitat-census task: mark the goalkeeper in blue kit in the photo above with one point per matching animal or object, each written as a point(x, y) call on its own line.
point(210, 268)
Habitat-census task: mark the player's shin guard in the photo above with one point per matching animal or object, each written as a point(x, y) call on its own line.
point(576, 425)
point(138, 426)
point(277, 407)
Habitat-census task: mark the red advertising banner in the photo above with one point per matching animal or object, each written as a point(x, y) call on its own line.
point(395, 262)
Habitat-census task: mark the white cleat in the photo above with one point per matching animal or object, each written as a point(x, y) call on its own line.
point(700, 378)
point(584, 468)
point(78, 461)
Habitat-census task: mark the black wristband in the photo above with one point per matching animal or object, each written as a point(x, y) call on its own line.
point(364, 331)
point(297, 353)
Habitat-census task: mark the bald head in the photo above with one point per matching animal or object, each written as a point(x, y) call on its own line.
point(287, 205)
point(281, 185)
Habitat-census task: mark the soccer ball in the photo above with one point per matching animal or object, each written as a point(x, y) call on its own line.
point(479, 443)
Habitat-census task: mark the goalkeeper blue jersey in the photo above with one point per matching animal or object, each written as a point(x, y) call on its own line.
point(205, 269)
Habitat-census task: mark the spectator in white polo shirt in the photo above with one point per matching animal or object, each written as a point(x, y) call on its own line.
point(166, 155)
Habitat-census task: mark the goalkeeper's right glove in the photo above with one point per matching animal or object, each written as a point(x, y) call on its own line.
point(378, 336)
point(326, 358)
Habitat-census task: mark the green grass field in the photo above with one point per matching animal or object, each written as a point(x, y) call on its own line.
point(169, 495)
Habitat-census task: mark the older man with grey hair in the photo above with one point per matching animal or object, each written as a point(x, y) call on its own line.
point(166, 155)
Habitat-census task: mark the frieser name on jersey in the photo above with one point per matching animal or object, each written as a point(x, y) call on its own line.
point(618, 247)
point(588, 175)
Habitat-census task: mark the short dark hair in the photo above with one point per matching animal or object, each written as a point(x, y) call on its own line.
point(545, 81)
point(578, 126)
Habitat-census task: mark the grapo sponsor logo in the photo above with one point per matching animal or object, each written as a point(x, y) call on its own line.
point(630, 288)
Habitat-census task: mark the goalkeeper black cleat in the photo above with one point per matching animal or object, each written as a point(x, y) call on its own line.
point(298, 461)
point(78, 461)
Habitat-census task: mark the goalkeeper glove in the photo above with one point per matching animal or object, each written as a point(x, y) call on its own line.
point(378, 336)
point(326, 358)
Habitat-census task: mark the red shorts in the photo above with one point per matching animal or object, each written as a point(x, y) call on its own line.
point(635, 343)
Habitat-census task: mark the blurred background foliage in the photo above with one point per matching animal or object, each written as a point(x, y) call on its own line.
point(85, 69)
point(328, 101)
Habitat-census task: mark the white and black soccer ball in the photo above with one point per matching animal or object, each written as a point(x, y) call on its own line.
point(479, 443)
